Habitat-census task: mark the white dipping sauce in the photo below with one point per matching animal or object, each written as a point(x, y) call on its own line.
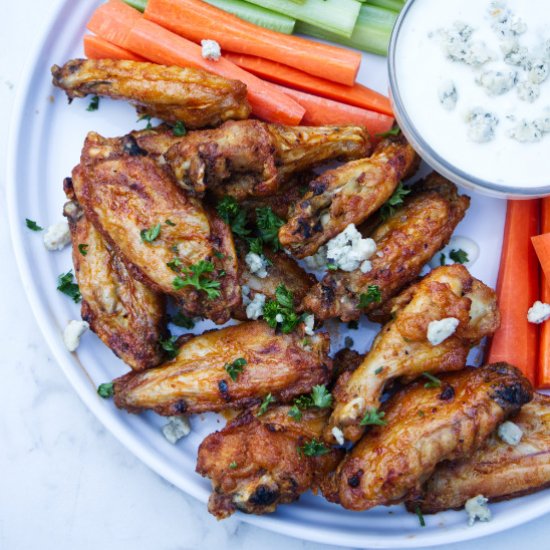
point(425, 75)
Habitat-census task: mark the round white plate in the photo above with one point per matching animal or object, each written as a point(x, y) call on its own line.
point(46, 137)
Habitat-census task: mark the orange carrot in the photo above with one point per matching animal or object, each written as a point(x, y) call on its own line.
point(357, 95)
point(542, 248)
point(197, 20)
point(516, 341)
point(162, 46)
point(326, 112)
point(96, 47)
point(113, 21)
point(544, 355)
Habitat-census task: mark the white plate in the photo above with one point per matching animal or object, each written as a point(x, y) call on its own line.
point(46, 137)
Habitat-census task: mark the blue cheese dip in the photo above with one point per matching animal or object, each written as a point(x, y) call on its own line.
point(474, 80)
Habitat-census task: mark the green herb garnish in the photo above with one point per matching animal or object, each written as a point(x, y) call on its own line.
point(32, 225)
point(106, 390)
point(372, 296)
point(175, 264)
point(179, 129)
point(268, 226)
point(180, 320)
point(319, 397)
point(195, 276)
point(151, 234)
point(280, 312)
point(396, 199)
point(442, 259)
point(232, 214)
point(373, 418)
point(459, 256)
point(421, 519)
point(170, 223)
point(233, 465)
point(148, 119)
point(170, 346)
point(433, 381)
point(65, 284)
point(235, 368)
point(268, 399)
point(313, 448)
point(83, 249)
point(94, 104)
point(395, 131)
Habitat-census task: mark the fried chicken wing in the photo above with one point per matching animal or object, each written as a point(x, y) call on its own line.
point(195, 97)
point(497, 471)
point(127, 195)
point(255, 463)
point(197, 380)
point(345, 195)
point(425, 426)
point(406, 241)
point(252, 158)
point(402, 348)
point(127, 316)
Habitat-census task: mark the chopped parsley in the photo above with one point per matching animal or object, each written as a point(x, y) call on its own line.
point(233, 465)
point(235, 368)
point(373, 418)
point(332, 267)
point(396, 199)
point(421, 519)
point(232, 214)
point(195, 276)
point(94, 104)
point(268, 226)
point(372, 296)
point(32, 225)
point(148, 119)
point(180, 320)
point(179, 129)
point(280, 312)
point(83, 249)
point(170, 223)
point(378, 370)
point(66, 285)
point(442, 259)
point(313, 448)
point(170, 346)
point(459, 256)
point(268, 399)
point(106, 390)
point(319, 397)
point(175, 264)
point(295, 413)
point(395, 131)
point(151, 234)
point(433, 381)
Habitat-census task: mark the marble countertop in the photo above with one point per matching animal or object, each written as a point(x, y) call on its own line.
point(65, 482)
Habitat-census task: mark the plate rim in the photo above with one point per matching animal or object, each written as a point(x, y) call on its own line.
point(130, 439)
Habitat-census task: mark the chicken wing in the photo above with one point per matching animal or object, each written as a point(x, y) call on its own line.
point(497, 471)
point(256, 462)
point(196, 98)
point(406, 241)
point(161, 234)
point(282, 270)
point(127, 316)
point(345, 195)
point(423, 427)
point(252, 158)
point(402, 348)
point(199, 379)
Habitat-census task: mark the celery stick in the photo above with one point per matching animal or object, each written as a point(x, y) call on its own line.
point(138, 4)
point(395, 5)
point(371, 34)
point(336, 16)
point(256, 14)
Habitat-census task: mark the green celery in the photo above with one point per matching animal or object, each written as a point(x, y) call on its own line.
point(336, 16)
point(138, 4)
point(394, 5)
point(371, 34)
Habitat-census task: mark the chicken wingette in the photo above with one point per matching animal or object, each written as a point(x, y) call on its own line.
point(167, 239)
point(405, 242)
point(129, 317)
point(252, 158)
point(231, 368)
point(497, 470)
point(347, 195)
point(403, 349)
point(197, 98)
point(424, 425)
point(260, 461)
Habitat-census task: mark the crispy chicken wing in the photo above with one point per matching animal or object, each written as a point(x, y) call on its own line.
point(426, 426)
point(345, 195)
point(255, 462)
point(252, 158)
point(497, 471)
point(406, 241)
point(124, 193)
point(197, 379)
point(402, 348)
point(196, 98)
point(127, 316)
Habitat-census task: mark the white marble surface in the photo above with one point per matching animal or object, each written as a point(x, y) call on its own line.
point(65, 482)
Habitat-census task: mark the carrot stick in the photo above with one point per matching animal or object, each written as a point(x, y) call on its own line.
point(544, 355)
point(357, 95)
point(326, 112)
point(113, 21)
point(96, 47)
point(542, 248)
point(516, 341)
point(197, 20)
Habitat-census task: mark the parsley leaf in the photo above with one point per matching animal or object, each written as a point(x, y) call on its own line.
point(83, 249)
point(194, 276)
point(179, 129)
point(232, 214)
point(321, 397)
point(170, 346)
point(180, 320)
point(281, 311)
point(233, 465)
point(94, 104)
point(32, 225)
point(373, 418)
point(175, 264)
point(295, 413)
point(395, 131)
point(268, 399)
point(149, 235)
point(256, 246)
point(170, 223)
point(148, 119)
point(235, 368)
point(268, 226)
point(313, 448)
point(106, 390)
point(372, 296)
point(396, 199)
point(418, 512)
point(459, 256)
point(442, 259)
point(65, 284)
point(434, 382)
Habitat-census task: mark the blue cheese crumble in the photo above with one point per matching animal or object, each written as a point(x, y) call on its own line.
point(538, 313)
point(348, 250)
point(448, 95)
point(72, 334)
point(255, 308)
point(510, 433)
point(477, 509)
point(497, 82)
point(257, 264)
point(57, 236)
point(211, 50)
point(176, 428)
point(481, 125)
point(439, 331)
